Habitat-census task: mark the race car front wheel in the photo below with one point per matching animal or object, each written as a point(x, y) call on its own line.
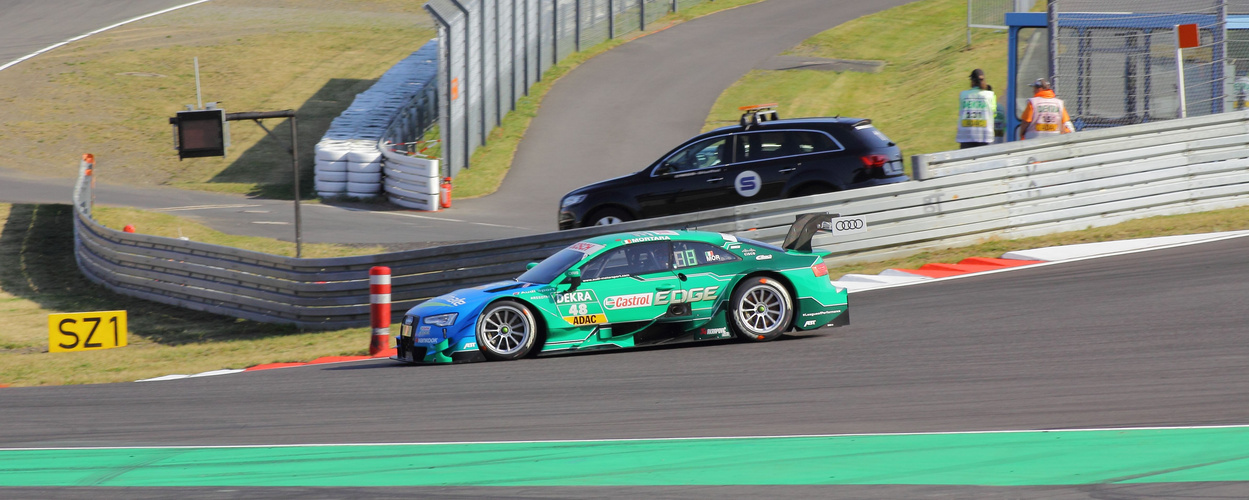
point(762, 309)
point(506, 330)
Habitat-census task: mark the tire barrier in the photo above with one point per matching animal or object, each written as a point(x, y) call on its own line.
point(348, 158)
point(1027, 188)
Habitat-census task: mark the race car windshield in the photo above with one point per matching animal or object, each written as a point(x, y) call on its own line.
point(547, 270)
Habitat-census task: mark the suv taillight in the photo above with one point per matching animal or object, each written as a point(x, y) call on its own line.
point(874, 161)
point(820, 270)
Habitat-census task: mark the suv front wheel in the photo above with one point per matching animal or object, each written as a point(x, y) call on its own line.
point(607, 217)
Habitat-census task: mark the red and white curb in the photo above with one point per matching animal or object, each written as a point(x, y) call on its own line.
point(267, 366)
point(890, 278)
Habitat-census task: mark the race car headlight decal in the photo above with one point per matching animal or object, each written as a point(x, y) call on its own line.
point(441, 319)
point(572, 200)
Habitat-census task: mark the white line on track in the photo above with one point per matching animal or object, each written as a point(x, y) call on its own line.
point(101, 30)
point(634, 440)
point(201, 207)
point(417, 216)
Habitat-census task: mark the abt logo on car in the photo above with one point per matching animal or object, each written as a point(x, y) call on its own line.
point(628, 301)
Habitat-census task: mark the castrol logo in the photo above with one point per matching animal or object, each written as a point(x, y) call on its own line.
point(628, 301)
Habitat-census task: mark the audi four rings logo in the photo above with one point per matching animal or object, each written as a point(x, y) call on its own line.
point(848, 224)
point(845, 225)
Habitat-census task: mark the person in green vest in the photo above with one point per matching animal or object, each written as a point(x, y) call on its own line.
point(976, 113)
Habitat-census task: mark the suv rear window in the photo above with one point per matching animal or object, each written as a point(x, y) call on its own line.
point(871, 136)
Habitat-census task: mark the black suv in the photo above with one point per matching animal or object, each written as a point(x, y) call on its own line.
point(748, 163)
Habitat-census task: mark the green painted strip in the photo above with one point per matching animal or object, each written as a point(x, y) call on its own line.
point(991, 459)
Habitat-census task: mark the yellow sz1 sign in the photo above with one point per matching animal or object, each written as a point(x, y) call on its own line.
point(86, 331)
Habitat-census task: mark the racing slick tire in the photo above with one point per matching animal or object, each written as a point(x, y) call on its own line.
point(607, 217)
point(506, 330)
point(761, 309)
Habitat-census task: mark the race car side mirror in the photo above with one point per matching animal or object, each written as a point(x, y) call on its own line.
point(530, 265)
point(574, 278)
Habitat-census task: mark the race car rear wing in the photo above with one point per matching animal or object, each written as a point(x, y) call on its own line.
point(806, 225)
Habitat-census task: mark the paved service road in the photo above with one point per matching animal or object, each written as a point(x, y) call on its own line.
point(1148, 339)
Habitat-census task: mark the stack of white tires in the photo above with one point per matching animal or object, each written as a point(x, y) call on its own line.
point(331, 168)
point(348, 159)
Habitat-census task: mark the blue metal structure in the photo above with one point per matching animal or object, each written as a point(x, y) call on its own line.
point(1137, 105)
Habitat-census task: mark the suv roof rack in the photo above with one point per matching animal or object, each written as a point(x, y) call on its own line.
point(753, 115)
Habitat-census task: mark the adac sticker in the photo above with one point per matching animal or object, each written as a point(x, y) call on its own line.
point(586, 319)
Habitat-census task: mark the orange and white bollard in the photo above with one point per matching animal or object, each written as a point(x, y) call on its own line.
point(379, 309)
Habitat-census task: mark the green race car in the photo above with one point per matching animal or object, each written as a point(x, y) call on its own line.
point(636, 289)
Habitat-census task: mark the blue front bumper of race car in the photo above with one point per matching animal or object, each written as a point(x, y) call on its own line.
point(421, 343)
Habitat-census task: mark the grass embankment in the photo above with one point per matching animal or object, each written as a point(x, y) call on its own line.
point(914, 99)
point(112, 94)
point(170, 226)
point(38, 277)
point(490, 163)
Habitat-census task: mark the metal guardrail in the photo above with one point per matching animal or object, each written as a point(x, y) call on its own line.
point(1010, 190)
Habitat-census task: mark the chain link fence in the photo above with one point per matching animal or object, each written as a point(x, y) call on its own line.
point(991, 14)
point(493, 51)
point(1116, 60)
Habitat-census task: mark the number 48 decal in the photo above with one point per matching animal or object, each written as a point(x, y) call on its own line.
point(86, 331)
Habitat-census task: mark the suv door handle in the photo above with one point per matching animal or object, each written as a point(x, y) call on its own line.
point(715, 179)
point(664, 287)
point(790, 169)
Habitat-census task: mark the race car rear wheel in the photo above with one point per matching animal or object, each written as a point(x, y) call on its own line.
point(506, 330)
point(762, 309)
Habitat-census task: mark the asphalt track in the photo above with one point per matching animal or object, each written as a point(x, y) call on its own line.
point(1140, 340)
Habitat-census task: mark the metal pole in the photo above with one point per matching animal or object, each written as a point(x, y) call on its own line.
point(444, 47)
point(256, 116)
point(577, 26)
point(537, 59)
point(513, 55)
point(498, 70)
point(1220, 58)
point(1179, 73)
point(611, 19)
point(554, 32)
point(641, 15)
point(526, 56)
point(1051, 19)
point(295, 165)
point(468, 110)
point(969, 23)
point(199, 100)
point(674, 6)
point(481, 66)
